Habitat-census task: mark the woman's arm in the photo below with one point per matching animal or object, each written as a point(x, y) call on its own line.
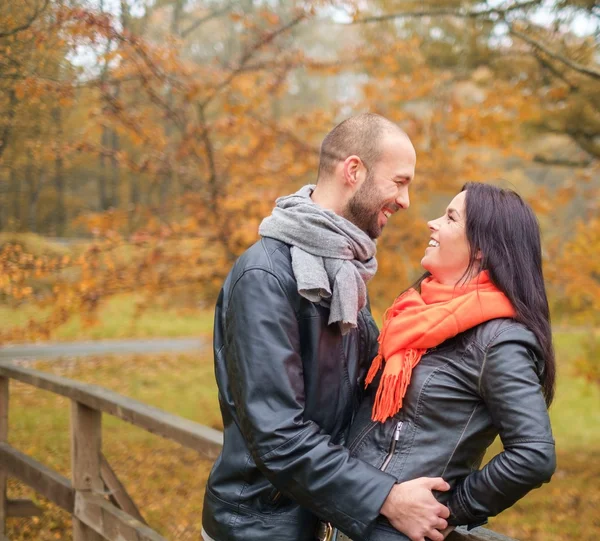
point(510, 386)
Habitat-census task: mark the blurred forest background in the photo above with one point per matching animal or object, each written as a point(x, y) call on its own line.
point(142, 141)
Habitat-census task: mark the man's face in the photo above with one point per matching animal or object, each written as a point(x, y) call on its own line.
point(385, 188)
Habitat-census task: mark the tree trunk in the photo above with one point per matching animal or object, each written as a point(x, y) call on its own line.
point(115, 173)
point(34, 197)
point(166, 182)
point(15, 188)
point(134, 199)
point(6, 130)
point(103, 203)
point(59, 178)
point(4, 191)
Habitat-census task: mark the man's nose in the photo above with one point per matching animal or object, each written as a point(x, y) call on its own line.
point(403, 200)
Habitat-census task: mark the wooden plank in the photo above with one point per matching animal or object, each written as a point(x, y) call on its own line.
point(86, 448)
point(111, 522)
point(3, 408)
point(477, 534)
point(3, 438)
point(23, 508)
point(118, 494)
point(204, 440)
point(48, 483)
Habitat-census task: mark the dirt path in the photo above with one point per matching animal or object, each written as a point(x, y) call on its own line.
point(49, 350)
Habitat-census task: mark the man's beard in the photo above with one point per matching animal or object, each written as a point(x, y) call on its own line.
point(364, 207)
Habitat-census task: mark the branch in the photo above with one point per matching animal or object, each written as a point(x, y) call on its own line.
point(585, 140)
point(560, 162)
point(552, 69)
point(452, 12)
point(27, 24)
point(286, 134)
point(208, 147)
point(222, 225)
point(202, 20)
point(249, 54)
point(586, 70)
point(130, 40)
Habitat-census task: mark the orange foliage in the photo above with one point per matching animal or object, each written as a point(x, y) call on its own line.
point(215, 140)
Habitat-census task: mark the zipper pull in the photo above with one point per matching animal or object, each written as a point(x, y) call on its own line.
point(397, 432)
point(393, 444)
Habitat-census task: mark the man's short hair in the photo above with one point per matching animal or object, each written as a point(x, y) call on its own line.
point(359, 135)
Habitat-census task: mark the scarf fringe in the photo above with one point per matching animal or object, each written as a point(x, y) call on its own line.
point(375, 366)
point(392, 387)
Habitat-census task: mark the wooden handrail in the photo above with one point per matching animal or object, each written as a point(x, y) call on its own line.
point(477, 534)
point(95, 518)
point(202, 439)
point(48, 483)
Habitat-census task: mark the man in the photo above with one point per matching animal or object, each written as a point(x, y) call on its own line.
point(293, 340)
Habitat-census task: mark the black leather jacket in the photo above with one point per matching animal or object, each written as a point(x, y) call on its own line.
point(289, 386)
point(484, 382)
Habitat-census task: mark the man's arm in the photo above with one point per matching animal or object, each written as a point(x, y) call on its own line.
point(262, 351)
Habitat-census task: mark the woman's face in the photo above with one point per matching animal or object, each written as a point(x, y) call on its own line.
point(447, 256)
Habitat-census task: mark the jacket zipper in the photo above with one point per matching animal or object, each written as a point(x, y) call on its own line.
point(393, 444)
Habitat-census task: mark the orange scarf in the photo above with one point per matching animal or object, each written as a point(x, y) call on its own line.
point(417, 322)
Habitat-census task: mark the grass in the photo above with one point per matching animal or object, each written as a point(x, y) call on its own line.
point(575, 411)
point(117, 318)
point(173, 313)
point(34, 244)
point(168, 481)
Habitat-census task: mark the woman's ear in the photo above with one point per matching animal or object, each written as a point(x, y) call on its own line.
point(479, 256)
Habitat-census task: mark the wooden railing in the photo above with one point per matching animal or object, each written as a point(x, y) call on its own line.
point(94, 517)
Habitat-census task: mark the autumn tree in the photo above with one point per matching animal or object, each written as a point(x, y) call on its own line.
point(191, 118)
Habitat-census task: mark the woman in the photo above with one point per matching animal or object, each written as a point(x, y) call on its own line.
point(466, 355)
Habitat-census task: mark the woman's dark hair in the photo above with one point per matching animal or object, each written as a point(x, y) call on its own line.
point(504, 228)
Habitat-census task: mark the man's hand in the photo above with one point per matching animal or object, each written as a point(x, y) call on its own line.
point(448, 531)
point(412, 509)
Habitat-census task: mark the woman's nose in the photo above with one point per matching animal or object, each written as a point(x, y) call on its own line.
point(433, 225)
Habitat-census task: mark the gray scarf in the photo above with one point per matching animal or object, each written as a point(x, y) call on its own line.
point(332, 259)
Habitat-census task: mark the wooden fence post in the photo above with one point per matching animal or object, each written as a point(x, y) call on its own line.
point(86, 449)
point(3, 438)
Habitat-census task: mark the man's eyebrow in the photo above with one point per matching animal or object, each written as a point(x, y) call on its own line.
point(402, 177)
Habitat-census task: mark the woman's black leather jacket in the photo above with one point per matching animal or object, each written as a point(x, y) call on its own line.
point(484, 382)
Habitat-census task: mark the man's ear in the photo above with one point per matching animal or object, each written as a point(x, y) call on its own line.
point(353, 170)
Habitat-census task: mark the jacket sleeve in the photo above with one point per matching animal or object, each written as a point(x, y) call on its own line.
point(262, 349)
point(372, 338)
point(510, 387)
